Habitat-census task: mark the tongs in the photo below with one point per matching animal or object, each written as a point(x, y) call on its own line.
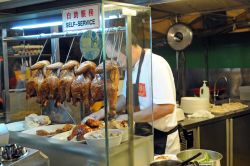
point(186, 162)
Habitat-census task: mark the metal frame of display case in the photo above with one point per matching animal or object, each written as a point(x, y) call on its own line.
point(57, 35)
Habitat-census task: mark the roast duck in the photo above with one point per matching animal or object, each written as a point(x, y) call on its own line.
point(71, 81)
point(49, 87)
point(97, 85)
point(81, 129)
point(80, 87)
point(79, 132)
point(67, 76)
point(38, 74)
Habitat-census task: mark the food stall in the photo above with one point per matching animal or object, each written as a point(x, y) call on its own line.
point(55, 87)
point(210, 56)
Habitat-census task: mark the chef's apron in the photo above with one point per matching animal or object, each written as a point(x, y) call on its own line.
point(145, 129)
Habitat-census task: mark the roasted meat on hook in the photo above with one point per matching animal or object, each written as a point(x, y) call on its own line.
point(97, 85)
point(80, 87)
point(49, 87)
point(67, 75)
point(37, 76)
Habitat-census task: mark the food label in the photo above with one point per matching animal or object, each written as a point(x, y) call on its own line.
point(142, 90)
point(81, 18)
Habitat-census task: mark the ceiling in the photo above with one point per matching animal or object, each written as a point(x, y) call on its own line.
point(205, 17)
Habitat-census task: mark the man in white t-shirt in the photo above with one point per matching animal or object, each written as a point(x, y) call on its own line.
point(158, 88)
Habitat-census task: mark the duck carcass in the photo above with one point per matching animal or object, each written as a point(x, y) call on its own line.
point(80, 87)
point(49, 87)
point(67, 76)
point(97, 85)
point(37, 76)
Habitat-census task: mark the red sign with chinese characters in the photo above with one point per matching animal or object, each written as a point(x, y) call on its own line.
point(80, 18)
point(142, 90)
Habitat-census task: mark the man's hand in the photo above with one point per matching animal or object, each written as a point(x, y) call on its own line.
point(96, 115)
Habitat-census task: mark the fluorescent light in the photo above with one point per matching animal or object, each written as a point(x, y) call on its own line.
point(38, 25)
point(109, 5)
point(128, 12)
point(113, 17)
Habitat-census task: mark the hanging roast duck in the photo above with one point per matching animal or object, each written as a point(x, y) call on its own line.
point(80, 87)
point(49, 87)
point(67, 76)
point(37, 76)
point(97, 85)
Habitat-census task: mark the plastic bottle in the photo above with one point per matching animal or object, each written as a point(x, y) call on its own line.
point(204, 91)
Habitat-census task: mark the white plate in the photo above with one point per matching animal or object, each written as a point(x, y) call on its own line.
point(169, 156)
point(49, 128)
point(63, 137)
point(16, 126)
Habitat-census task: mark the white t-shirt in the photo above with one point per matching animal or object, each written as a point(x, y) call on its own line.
point(163, 92)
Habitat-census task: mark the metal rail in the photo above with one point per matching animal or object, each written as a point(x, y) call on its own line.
point(58, 35)
point(6, 95)
point(231, 142)
point(130, 103)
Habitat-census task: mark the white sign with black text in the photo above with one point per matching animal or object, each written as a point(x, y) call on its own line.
point(81, 18)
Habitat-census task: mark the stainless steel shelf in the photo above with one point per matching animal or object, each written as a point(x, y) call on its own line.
point(58, 35)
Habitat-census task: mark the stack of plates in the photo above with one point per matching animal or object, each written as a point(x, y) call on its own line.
point(191, 105)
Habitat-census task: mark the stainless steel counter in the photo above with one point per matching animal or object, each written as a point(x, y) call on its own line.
point(225, 133)
point(190, 123)
point(66, 153)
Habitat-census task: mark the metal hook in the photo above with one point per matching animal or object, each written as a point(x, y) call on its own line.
point(70, 49)
point(81, 59)
point(54, 57)
point(42, 50)
point(106, 39)
point(114, 45)
point(119, 46)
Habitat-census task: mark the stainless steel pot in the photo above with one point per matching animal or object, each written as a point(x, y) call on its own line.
point(215, 157)
point(165, 163)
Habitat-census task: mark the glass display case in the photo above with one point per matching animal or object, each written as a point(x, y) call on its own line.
point(95, 45)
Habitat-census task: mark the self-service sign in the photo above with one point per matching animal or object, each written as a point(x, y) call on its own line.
point(81, 18)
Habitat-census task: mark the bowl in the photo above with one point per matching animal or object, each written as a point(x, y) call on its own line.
point(97, 138)
point(208, 157)
point(121, 125)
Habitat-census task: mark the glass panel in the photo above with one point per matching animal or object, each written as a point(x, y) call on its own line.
point(1, 78)
point(128, 33)
point(21, 55)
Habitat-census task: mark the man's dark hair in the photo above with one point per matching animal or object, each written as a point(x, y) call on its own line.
point(135, 40)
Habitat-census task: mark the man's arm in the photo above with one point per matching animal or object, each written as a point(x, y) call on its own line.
point(121, 103)
point(148, 115)
point(159, 111)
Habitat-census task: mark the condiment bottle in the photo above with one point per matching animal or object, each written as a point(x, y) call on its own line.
point(204, 91)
